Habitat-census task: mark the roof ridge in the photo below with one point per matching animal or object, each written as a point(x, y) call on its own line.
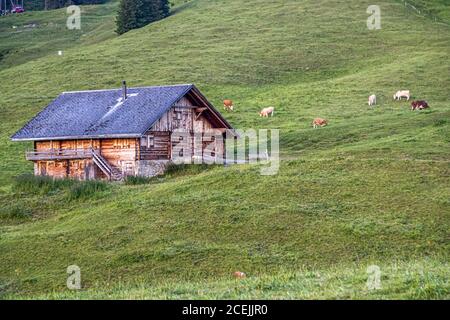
point(130, 88)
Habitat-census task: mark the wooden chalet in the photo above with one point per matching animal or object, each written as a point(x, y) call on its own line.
point(110, 134)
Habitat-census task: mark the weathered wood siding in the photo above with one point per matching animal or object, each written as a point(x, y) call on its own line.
point(83, 169)
point(120, 153)
point(67, 144)
point(155, 146)
point(187, 117)
point(179, 117)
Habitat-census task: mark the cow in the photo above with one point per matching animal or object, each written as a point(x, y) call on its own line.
point(266, 112)
point(419, 105)
point(228, 105)
point(319, 122)
point(239, 275)
point(372, 100)
point(402, 94)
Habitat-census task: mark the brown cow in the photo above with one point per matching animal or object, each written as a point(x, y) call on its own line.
point(419, 105)
point(319, 122)
point(239, 275)
point(228, 105)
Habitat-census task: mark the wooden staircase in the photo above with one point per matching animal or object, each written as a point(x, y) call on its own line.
point(110, 171)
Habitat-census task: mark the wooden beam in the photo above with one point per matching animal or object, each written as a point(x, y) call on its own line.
point(185, 107)
point(199, 112)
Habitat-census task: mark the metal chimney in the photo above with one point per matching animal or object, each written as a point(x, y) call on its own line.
point(124, 90)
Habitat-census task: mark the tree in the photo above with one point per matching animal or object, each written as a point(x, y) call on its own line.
point(135, 14)
point(126, 17)
point(162, 8)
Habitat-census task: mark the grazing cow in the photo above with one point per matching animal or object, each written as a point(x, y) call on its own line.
point(372, 100)
point(239, 275)
point(419, 105)
point(319, 122)
point(266, 112)
point(228, 105)
point(402, 94)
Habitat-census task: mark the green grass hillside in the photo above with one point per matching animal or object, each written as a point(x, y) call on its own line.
point(33, 34)
point(371, 188)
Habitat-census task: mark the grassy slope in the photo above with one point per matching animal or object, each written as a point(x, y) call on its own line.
point(418, 280)
point(436, 9)
point(24, 43)
point(370, 188)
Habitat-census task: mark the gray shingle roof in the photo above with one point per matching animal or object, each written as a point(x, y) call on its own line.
point(102, 113)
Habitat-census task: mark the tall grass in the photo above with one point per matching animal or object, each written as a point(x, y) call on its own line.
point(86, 189)
point(15, 211)
point(73, 189)
point(40, 185)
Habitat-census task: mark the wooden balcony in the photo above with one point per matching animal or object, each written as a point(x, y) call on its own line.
point(58, 154)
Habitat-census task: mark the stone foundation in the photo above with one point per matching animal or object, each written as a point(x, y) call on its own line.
point(151, 168)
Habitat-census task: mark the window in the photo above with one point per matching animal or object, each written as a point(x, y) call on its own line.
point(151, 142)
point(144, 141)
point(178, 115)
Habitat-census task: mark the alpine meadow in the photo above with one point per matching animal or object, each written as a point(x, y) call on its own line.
point(372, 188)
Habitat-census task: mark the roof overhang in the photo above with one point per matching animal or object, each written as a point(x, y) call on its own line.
point(87, 137)
point(213, 110)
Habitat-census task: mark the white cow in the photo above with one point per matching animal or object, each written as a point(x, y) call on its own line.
point(372, 100)
point(266, 112)
point(402, 94)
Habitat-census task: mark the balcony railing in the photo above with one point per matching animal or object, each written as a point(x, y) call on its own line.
point(58, 154)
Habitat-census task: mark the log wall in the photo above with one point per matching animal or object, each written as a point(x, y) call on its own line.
point(120, 153)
